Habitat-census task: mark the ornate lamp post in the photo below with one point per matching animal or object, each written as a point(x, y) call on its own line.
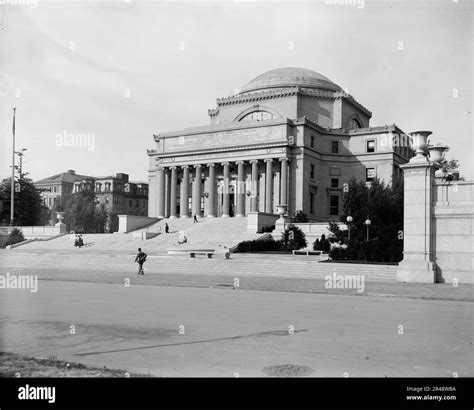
point(349, 219)
point(367, 224)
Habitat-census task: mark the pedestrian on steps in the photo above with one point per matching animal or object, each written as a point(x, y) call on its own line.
point(140, 258)
point(167, 228)
point(195, 219)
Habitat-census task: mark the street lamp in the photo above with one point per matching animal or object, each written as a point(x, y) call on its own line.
point(367, 223)
point(349, 219)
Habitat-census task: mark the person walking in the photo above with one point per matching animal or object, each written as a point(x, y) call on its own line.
point(140, 259)
point(195, 219)
point(167, 228)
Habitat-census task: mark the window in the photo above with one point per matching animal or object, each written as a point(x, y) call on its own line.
point(130, 203)
point(312, 141)
point(369, 174)
point(107, 186)
point(371, 146)
point(334, 182)
point(137, 203)
point(258, 116)
point(355, 123)
point(106, 199)
point(311, 202)
point(311, 174)
point(335, 147)
point(333, 205)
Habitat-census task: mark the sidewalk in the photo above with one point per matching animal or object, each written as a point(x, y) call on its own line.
point(250, 281)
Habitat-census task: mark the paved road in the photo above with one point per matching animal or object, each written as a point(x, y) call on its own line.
point(237, 331)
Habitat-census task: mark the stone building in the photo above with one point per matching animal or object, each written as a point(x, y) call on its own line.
point(53, 189)
point(117, 193)
point(289, 137)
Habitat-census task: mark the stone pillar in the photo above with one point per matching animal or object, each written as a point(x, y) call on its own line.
point(419, 176)
point(173, 193)
point(211, 212)
point(225, 191)
point(240, 191)
point(269, 186)
point(197, 191)
point(284, 181)
point(167, 193)
point(254, 188)
point(160, 173)
point(184, 194)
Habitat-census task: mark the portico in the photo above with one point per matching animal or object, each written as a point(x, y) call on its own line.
point(221, 189)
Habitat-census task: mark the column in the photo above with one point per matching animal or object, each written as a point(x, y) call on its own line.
point(254, 189)
point(418, 264)
point(211, 212)
point(240, 191)
point(173, 188)
point(184, 194)
point(284, 181)
point(167, 193)
point(197, 190)
point(269, 186)
point(225, 191)
point(161, 192)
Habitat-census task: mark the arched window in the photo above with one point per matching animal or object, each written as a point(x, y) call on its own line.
point(258, 116)
point(355, 123)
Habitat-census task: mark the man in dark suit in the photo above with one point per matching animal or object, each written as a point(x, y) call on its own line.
point(140, 258)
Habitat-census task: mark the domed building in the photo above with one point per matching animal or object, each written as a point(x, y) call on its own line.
point(290, 136)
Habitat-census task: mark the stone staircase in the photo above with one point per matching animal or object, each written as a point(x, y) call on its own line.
point(262, 264)
point(207, 233)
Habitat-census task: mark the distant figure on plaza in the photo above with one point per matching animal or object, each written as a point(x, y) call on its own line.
point(81, 242)
point(140, 259)
point(182, 238)
point(195, 219)
point(167, 228)
point(76, 241)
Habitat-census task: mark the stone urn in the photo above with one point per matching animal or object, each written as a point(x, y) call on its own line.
point(60, 223)
point(436, 153)
point(281, 210)
point(420, 142)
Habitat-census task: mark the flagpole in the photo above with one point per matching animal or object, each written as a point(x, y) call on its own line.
point(12, 203)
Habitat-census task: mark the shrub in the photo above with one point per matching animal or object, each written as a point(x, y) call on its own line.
point(15, 236)
point(293, 239)
point(257, 246)
point(322, 245)
point(338, 253)
point(299, 217)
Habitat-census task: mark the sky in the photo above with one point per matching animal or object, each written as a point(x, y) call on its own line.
point(114, 73)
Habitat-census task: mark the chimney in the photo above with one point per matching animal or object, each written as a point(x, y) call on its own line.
point(71, 171)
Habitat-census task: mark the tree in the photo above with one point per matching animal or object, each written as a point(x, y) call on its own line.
point(383, 205)
point(28, 207)
point(293, 238)
point(450, 170)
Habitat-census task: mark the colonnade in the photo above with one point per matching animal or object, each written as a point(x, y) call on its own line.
point(167, 187)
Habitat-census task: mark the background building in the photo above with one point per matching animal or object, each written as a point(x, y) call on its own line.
point(290, 136)
point(117, 193)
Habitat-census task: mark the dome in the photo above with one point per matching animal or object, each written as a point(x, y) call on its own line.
point(290, 77)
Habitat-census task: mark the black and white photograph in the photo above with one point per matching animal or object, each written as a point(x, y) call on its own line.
point(268, 201)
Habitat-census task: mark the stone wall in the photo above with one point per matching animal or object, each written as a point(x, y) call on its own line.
point(453, 231)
